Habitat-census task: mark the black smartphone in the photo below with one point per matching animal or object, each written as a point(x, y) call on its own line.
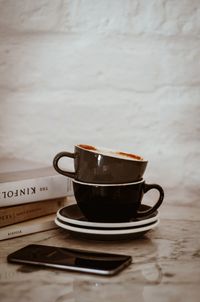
point(71, 259)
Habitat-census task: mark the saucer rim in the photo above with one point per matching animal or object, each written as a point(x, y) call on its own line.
point(106, 232)
point(105, 225)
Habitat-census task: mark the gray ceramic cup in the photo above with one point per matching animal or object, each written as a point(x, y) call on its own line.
point(102, 166)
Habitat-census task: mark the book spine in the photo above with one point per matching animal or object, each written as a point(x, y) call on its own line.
point(31, 190)
point(24, 229)
point(23, 212)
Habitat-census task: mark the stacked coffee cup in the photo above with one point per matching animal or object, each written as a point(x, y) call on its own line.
point(108, 185)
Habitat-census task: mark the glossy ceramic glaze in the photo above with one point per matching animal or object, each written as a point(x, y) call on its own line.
point(98, 165)
point(114, 203)
point(107, 234)
point(71, 214)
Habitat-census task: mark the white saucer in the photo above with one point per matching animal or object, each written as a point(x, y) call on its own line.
point(107, 234)
point(71, 214)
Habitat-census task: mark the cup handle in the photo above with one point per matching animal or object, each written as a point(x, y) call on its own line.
point(56, 160)
point(148, 187)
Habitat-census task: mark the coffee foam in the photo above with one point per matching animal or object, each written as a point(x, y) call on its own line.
point(109, 152)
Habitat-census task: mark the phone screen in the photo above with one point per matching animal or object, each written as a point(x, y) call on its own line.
point(71, 259)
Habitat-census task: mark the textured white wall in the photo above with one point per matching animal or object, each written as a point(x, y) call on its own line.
point(116, 73)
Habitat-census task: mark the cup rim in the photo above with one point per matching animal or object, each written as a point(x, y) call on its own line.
point(108, 184)
point(113, 152)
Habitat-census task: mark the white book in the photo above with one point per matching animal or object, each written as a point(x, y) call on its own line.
point(23, 181)
point(28, 227)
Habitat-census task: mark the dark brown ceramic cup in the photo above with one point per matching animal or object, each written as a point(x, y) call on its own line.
point(103, 166)
point(114, 203)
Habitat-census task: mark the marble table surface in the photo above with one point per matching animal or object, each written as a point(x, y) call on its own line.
point(165, 267)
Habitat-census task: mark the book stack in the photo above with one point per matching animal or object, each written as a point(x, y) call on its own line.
point(30, 195)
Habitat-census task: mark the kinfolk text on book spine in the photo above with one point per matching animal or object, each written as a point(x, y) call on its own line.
point(30, 190)
point(20, 192)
